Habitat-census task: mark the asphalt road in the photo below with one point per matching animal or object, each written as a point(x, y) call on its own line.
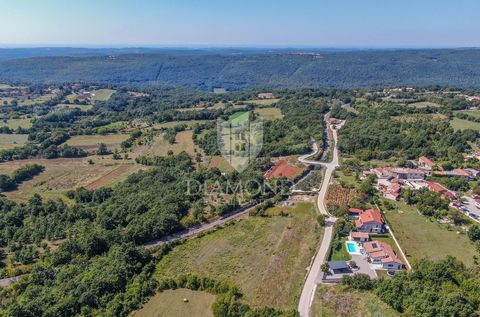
point(308, 292)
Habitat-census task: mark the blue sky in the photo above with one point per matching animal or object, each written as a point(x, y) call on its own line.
point(274, 23)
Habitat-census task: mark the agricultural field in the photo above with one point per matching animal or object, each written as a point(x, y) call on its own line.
point(73, 106)
point(102, 94)
point(172, 124)
point(424, 104)
point(170, 304)
point(473, 113)
point(218, 162)
point(17, 123)
point(417, 235)
point(269, 113)
point(9, 141)
point(334, 301)
point(340, 196)
point(91, 142)
point(460, 124)
point(39, 99)
point(264, 102)
point(64, 174)
point(265, 256)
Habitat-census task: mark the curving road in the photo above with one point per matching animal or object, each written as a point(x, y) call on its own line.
point(308, 292)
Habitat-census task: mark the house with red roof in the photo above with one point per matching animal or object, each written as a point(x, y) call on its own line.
point(436, 187)
point(370, 220)
point(425, 163)
point(382, 253)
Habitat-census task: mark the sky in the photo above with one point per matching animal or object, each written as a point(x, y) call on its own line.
point(255, 23)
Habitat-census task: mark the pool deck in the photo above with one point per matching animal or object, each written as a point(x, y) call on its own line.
point(358, 248)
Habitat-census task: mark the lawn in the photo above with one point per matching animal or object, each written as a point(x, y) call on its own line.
point(170, 304)
point(269, 113)
point(102, 94)
point(91, 142)
point(9, 141)
point(460, 124)
point(342, 254)
point(265, 256)
point(420, 237)
point(333, 301)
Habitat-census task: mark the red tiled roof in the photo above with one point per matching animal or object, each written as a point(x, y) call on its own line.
point(355, 210)
point(356, 234)
point(370, 215)
point(460, 172)
point(427, 161)
point(436, 187)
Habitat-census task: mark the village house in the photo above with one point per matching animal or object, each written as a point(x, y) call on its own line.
point(265, 95)
point(425, 163)
point(458, 172)
point(436, 187)
point(370, 220)
point(382, 253)
point(359, 236)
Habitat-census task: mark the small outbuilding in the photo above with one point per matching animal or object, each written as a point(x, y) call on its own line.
point(339, 267)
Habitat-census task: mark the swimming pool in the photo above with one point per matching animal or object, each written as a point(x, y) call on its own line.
point(352, 247)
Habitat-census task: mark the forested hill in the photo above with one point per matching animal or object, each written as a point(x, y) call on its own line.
point(237, 69)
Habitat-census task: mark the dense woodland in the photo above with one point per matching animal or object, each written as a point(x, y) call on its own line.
point(239, 69)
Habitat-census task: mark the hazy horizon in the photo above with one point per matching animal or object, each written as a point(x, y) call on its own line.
point(261, 24)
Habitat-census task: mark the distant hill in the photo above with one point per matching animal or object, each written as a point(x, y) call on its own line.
point(236, 69)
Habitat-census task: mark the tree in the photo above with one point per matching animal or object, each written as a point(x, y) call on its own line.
point(474, 232)
point(102, 149)
point(325, 267)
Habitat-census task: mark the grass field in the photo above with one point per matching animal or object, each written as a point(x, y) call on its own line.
point(91, 142)
point(62, 174)
point(473, 113)
point(334, 301)
point(9, 141)
point(424, 104)
point(39, 99)
point(102, 94)
point(341, 254)
point(420, 237)
point(264, 102)
point(170, 304)
point(172, 124)
point(460, 124)
point(73, 106)
point(218, 162)
point(265, 257)
point(16, 123)
point(269, 113)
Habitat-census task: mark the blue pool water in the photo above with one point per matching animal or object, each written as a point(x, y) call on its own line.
point(352, 248)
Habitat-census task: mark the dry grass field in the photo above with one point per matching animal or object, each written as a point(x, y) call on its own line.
point(91, 142)
point(265, 257)
point(264, 102)
point(102, 94)
point(63, 174)
point(269, 113)
point(170, 304)
point(16, 123)
point(9, 141)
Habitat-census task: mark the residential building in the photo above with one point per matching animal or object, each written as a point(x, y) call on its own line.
point(436, 187)
point(382, 253)
point(425, 163)
point(339, 267)
point(359, 236)
point(370, 220)
point(265, 95)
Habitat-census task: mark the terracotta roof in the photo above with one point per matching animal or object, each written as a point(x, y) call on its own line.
point(355, 210)
point(460, 172)
point(427, 161)
point(436, 187)
point(383, 251)
point(356, 234)
point(370, 215)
